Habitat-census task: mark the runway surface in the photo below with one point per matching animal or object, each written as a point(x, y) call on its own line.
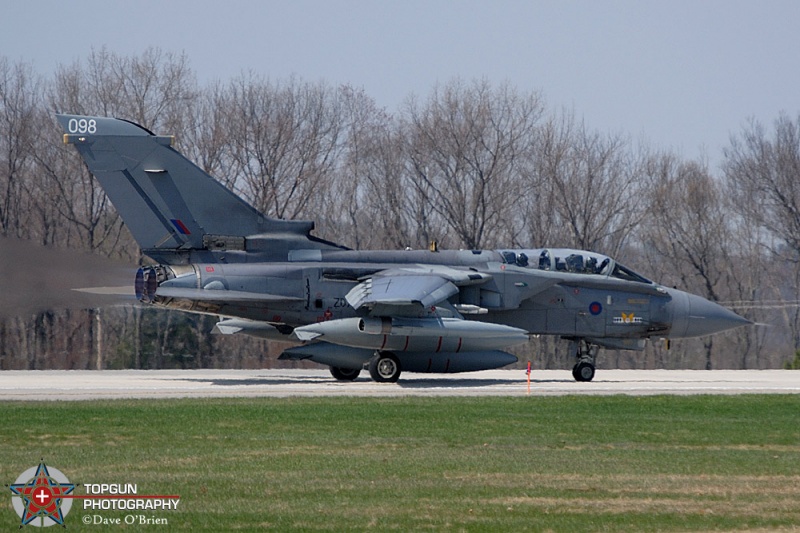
point(111, 384)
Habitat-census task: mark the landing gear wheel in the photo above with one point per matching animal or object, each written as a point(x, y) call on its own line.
point(583, 371)
point(586, 355)
point(384, 368)
point(345, 374)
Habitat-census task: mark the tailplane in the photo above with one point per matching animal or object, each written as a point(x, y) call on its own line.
point(175, 211)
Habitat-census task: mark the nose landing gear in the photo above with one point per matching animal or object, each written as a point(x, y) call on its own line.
point(586, 355)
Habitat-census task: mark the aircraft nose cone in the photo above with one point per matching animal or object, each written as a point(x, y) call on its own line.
point(694, 316)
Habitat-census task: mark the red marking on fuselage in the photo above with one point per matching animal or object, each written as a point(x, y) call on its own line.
point(439, 346)
point(459, 345)
point(385, 338)
point(406, 345)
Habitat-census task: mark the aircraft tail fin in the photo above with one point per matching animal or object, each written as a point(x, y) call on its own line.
point(176, 211)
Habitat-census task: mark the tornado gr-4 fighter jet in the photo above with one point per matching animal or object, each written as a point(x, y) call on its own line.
point(393, 311)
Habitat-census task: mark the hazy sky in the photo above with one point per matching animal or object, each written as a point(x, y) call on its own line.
point(682, 75)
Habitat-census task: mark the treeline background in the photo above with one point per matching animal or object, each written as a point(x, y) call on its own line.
point(471, 165)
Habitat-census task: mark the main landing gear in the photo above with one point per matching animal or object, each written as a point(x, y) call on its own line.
point(384, 367)
point(586, 355)
point(345, 374)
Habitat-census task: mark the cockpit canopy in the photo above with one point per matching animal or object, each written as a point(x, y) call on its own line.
point(573, 261)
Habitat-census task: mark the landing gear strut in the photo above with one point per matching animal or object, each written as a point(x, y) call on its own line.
point(586, 355)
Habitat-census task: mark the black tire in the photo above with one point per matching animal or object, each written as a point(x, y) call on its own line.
point(345, 374)
point(385, 368)
point(583, 372)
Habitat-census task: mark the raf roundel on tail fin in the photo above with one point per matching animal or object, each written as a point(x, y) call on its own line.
point(175, 211)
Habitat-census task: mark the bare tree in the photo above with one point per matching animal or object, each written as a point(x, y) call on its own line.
point(689, 238)
point(593, 183)
point(154, 89)
point(466, 148)
point(688, 227)
point(396, 210)
point(286, 139)
point(762, 173)
point(20, 100)
point(359, 208)
point(206, 139)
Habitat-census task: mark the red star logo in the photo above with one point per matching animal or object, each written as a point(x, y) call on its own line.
point(41, 496)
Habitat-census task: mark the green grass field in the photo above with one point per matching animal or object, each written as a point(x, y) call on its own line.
point(487, 464)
